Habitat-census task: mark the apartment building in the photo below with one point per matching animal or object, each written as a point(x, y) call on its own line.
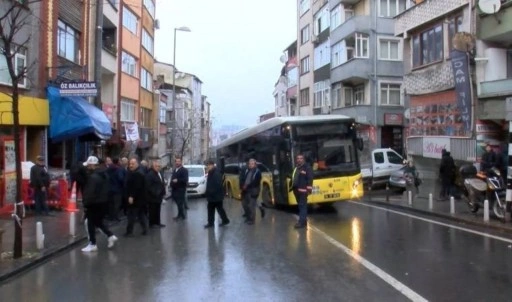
point(206, 130)
point(440, 112)
point(285, 89)
point(137, 108)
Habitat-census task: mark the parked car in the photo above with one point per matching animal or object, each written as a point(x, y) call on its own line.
point(196, 180)
point(378, 166)
point(397, 180)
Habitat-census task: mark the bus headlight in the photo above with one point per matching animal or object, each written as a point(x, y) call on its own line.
point(355, 187)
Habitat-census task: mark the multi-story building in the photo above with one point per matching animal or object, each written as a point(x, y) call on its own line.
point(205, 130)
point(136, 94)
point(438, 117)
point(285, 90)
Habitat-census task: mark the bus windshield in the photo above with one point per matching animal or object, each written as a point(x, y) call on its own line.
point(328, 148)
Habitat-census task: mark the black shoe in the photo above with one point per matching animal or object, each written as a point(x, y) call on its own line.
point(178, 218)
point(128, 235)
point(208, 226)
point(300, 225)
point(262, 211)
point(144, 233)
point(245, 215)
point(186, 208)
point(160, 225)
point(249, 222)
point(224, 223)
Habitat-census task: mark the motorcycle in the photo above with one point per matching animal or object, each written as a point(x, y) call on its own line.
point(479, 186)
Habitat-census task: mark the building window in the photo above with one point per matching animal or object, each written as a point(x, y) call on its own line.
point(322, 55)
point(127, 110)
point(68, 42)
point(20, 65)
point(390, 94)
point(147, 41)
point(337, 98)
point(145, 117)
point(146, 79)
point(389, 49)
point(283, 100)
point(391, 8)
point(163, 112)
point(348, 94)
point(304, 97)
point(322, 20)
point(337, 54)
point(150, 6)
point(428, 46)
point(454, 26)
point(304, 65)
point(304, 34)
point(321, 96)
point(359, 95)
point(130, 21)
point(304, 6)
point(129, 64)
point(336, 17)
point(362, 42)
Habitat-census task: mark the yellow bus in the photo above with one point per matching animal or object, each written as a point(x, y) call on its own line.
point(329, 144)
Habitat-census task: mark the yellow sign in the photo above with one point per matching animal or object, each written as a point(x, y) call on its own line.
point(33, 111)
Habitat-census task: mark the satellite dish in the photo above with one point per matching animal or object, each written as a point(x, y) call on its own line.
point(489, 7)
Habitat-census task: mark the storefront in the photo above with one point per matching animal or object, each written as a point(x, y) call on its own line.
point(34, 120)
point(392, 132)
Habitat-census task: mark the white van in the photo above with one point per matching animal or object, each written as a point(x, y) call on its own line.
point(383, 162)
point(196, 180)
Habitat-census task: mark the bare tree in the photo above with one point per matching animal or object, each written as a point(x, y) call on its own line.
point(14, 17)
point(186, 132)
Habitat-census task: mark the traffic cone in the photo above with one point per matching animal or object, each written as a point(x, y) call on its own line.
point(71, 206)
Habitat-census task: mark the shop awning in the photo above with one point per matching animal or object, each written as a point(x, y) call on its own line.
point(32, 111)
point(72, 117)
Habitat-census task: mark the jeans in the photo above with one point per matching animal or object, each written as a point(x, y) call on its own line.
point(302, 202)
point(180, 203)
point(40, 201)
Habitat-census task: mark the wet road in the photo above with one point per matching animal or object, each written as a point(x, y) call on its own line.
point(353, 252)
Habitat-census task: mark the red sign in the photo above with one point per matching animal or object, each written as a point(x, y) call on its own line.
point(109, 111)
point(393, 119)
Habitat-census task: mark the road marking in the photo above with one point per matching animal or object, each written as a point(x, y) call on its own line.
point(437, 222)
point(402, 288)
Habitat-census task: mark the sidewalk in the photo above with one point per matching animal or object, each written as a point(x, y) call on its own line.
point(440, 209)
point(57, 239)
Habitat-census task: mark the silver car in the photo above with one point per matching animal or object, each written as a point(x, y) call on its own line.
point(397, 179)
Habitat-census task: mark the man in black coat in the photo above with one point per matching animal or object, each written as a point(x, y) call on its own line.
point(447, 175)
point(241, 182)
point(95, 198)
point(155, 191)
point(251, 190)
point(40, 182)
point(136, 194)
point(489, 159)
point(215, 196)
point(116, 186)
point(179, 182)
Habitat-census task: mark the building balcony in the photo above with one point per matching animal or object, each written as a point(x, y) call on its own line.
point(434, 78)
point(361, 24)
point(354, 71)
point(108, 62)
point(423, 13)
point(497, 28)
point(348, 2)
point(495, 88)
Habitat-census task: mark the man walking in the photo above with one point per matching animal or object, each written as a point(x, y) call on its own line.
point(302, 186)
point(179, 182)
point(116, 185)
point(155, 191)
point(40, 182)
point(251, 191)
point(241, 181)
point(215, 196)
point(136, 194)
point(447, 174)
point(95, 198)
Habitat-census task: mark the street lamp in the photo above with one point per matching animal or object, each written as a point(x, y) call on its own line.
point(185, 29)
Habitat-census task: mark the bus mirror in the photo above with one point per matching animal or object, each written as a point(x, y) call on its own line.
point(360, 144)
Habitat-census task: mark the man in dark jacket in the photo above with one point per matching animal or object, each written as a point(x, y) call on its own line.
point(95, 198)
point(78, 175)
point(155, 191)
point(302, 186)
point(215, 196)
point(447, 174)
point(251, 190)
point(116, 185)
point(40, 182)
point(136, 194)
point(241, 182)
point(489, 159)
point(179, 182)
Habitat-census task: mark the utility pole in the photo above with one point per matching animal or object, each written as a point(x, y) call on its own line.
point(98, 46)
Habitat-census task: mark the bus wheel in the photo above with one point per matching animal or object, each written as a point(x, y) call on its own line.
point(266, 197)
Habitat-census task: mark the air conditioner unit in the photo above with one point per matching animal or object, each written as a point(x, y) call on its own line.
point(157, 24)
point(314, 38)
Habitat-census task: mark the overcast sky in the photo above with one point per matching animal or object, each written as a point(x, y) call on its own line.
point(234, 48)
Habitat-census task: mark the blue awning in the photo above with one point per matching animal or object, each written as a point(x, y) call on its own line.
point(71, 117)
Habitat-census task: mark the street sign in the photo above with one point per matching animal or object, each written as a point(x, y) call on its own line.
point(83, 89)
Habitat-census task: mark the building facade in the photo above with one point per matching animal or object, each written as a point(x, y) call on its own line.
point(438, 118)
point(285, 90)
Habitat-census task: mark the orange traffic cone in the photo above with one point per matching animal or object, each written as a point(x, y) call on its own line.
point(71, 206)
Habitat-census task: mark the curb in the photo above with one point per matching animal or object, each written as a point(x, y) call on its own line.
point(441, 215)
point(41, 259)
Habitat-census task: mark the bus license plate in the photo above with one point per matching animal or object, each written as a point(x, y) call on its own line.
point(330, 196)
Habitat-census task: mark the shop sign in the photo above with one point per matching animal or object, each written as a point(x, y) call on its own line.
point(396, 119)
point(461, 77)
point(132, 132)
point(83, 89)
point(433, 146)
